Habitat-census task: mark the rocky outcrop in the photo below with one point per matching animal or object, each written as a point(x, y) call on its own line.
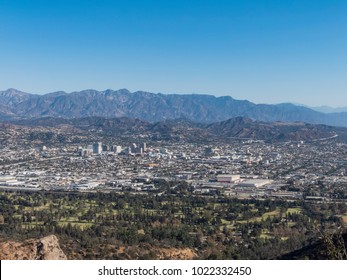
point(46, 248)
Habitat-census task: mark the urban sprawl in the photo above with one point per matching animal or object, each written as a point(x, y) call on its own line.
point(244, 168)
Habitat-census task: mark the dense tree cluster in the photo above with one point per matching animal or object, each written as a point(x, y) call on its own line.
point(96, 225)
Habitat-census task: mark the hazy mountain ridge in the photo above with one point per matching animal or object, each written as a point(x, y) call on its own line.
point(154, 107)
point(328, 110)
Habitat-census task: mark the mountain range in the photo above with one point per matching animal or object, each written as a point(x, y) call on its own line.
point(153, 107)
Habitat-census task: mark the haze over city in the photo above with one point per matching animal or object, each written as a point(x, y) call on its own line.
point(263, 51)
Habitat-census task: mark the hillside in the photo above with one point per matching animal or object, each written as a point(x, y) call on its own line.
point(331, 248)
point(46, 248)
point(185, 130)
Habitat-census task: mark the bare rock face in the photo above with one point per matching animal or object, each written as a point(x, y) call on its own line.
point(46, 248)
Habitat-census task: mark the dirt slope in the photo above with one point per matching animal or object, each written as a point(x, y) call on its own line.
point(46, 248)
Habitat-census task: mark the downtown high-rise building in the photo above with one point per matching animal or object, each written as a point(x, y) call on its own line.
point(97, 148)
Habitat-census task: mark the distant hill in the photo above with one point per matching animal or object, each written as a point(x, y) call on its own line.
point(153, 107)
point(182, 129)
point(246, 128)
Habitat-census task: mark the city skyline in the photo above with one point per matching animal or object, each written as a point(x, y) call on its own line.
point(263, 51)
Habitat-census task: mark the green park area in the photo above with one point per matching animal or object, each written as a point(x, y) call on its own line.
point(235, 228)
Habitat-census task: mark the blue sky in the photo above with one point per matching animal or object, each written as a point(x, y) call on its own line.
point(264, 51)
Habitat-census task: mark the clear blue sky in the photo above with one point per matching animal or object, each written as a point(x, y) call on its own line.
point(264, 51)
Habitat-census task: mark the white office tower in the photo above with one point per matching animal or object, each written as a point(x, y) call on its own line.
point(144, 147)
point(117, 149)
point(97, 148)
point(132, 148)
